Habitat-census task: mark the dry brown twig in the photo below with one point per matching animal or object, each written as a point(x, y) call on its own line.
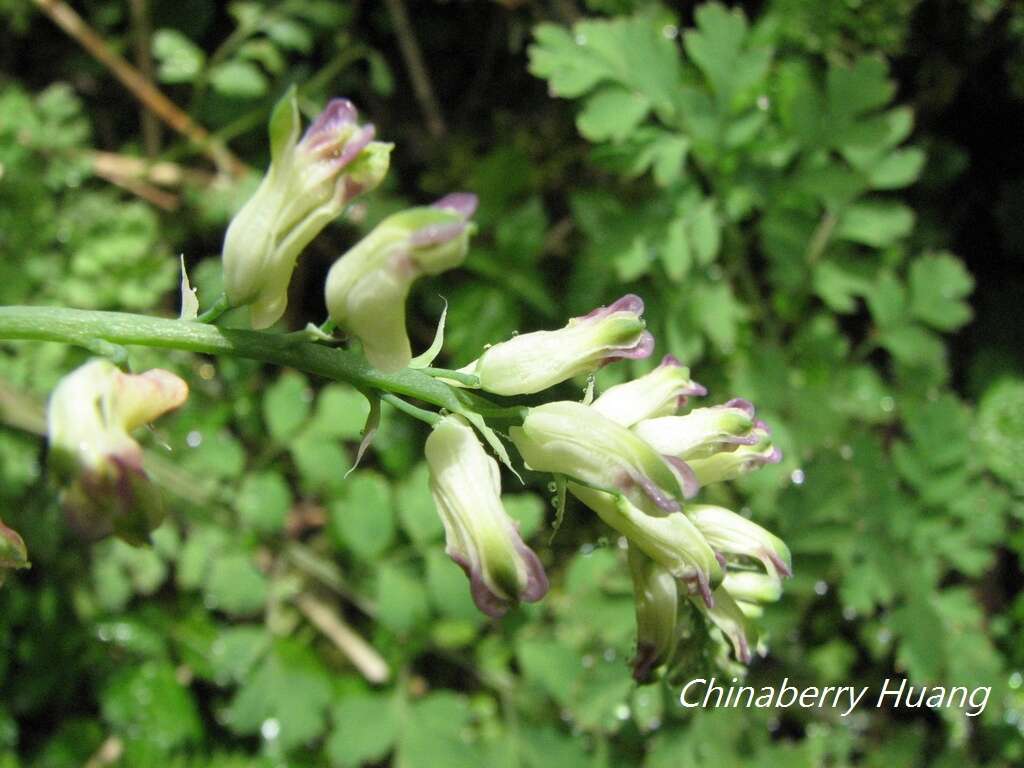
point(421, 85)
point(65, 17)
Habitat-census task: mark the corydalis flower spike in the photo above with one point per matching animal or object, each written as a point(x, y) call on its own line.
point(309, 183)
point(658, 393)
point(481, 538)
point(367, 287)
point(532, 362)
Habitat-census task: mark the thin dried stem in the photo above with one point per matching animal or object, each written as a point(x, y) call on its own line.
point(418, 74)
point(151, 97)
point(142, 32)
point(363, 656)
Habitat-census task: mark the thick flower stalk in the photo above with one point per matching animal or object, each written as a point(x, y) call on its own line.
point(309, 183)
point(481, 537)
point(367, 287)
point(90, 417)
point(532, 362)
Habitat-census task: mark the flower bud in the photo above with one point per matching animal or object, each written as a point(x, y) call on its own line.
point(532, 362)
point(481, 537)
point(656, 598)
point(701, 432)
point(672, 540)
point(367, 287)
point(658, 393)
point(732, 534)
point(753, 587)
point(728, 465)
point(12, 551)
point(90, 416)
point(728, 616)
point(572, 439)
point(309, 182)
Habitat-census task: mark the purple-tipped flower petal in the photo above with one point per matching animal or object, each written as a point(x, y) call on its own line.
point(670, 540)
point(736, 536)
point(656, 597)
point(338, 115)
point(571, 439)
point(309, 183)
point(462, 203)
point(90, 417)
point(367, 287)
point(703, 431)
point(657, 393)
point(532, 362)
point(481, 537)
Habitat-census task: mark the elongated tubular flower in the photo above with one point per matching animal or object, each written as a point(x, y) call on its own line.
point(752, 586)
point(532, 362)
point(309, 183)
point(572, 439)
point(367, 287)
point(656, 599)
point(701, 432)
point(481, 537)
point(90, 416)
point(727, 614)
point(732, 534)
point(671, 540)
point(728, 465)
point(658, 393)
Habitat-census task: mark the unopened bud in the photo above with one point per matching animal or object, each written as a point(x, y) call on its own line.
point(90, 416)
point(367, 287)
point(481, 538)
point(310, 181)
point(658, 393)
point(532, 362)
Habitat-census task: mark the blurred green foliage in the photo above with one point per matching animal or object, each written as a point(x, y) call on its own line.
point(757, 177)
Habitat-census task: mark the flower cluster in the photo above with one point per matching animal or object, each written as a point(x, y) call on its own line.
point(637, 455)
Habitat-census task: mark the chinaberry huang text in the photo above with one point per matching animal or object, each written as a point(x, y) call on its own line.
point(709, 693)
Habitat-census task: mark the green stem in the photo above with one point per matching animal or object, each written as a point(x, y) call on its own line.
point(469, 379)
point(428, 417)
point(219, 307)
point(83, 328)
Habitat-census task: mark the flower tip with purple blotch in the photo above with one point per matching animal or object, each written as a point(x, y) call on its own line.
point(461, 203)
point(742, 404)
point(687, 478)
